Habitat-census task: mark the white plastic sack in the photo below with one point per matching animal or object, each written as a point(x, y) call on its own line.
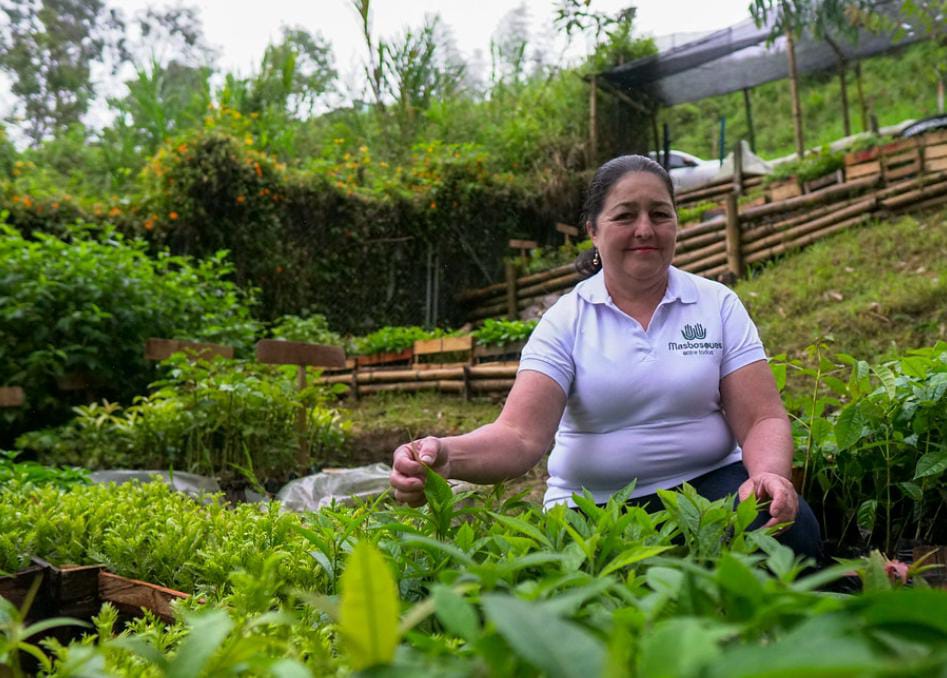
point(344, 486)
point(753, 165)
point(341, 485)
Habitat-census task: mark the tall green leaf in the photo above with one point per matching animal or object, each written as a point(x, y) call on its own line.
point(368, 609)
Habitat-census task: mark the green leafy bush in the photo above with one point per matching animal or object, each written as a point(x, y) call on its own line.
point(871, 445)
point(496, 332)
point(688, 214)
point(811, 167)
point(33, 473)
point(312, 329)
point(220, 418)
point(394, 339)
point(85, 304)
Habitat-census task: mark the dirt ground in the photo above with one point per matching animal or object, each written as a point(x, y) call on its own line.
point(382, 423)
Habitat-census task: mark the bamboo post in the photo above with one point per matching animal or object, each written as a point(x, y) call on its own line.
point(734, 254)
point(749, 118)
point(467, 379)
point(303, 453)
point(843, 89)
point(863, 109)
point(657, 137)
point(794, 91)
point(738, 167)
point(511, 307)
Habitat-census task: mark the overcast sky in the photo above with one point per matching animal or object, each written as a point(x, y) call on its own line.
point(241, 29)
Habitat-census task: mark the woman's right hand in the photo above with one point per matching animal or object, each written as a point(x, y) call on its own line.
point(408, 473)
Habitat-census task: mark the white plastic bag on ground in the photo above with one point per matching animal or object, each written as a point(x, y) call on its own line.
point(344, 486)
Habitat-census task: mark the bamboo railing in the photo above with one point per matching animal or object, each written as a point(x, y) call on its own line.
point(904, 175)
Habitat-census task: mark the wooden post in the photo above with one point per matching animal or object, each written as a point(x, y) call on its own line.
point(467, 379)
point(738, 167)
point(843, 89)
point(568, 232)
point(861, 96)
point(593, 121)
point(734, 247)
point(512, 310)
point(278, 352)
point(794, 92)
point(657, 137)
point(749, 118)
point(524, 246)
point(303, 454)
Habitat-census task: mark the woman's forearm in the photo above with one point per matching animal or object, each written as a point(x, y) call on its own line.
point(768, 447)
point(490, 454)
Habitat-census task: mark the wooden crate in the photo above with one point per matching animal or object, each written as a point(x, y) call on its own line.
point(280, 352)
point(78, 591)
point(162, 349)
point(783, 190)
point(502, 353)
point(428, 348)
point(390, 358)
point(12, 396)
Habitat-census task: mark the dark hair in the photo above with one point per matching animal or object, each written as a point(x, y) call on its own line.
point(605, 177)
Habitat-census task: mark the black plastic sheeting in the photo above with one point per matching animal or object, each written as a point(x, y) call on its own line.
point(737, 57)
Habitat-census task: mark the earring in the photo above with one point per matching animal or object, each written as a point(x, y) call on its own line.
point(596, 259)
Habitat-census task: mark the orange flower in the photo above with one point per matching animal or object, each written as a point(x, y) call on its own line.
point(27, 201)
point(114, 212)
point(264, 191)
point(149, 225)
point(279, 269)
point(173, 216)
point(55, 205)
point(433, 205)
point(182, 148)
point(241, 199)
point(258, 169)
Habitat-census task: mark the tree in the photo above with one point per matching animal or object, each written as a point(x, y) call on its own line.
point(295, 73)
point(790, 18)
point(48, 47)
point(508, 46)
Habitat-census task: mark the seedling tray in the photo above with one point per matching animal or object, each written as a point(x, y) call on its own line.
point(78, 591)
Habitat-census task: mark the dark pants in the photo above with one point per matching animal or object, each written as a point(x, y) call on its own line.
point(803, 536)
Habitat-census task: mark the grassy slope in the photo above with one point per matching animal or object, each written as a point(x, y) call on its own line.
point(878, 289)
point(875, 290)
point(897, 87)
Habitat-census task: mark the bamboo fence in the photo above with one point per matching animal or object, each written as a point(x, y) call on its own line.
point(905, 175)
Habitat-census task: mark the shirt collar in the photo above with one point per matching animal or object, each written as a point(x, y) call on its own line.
point(680, 288)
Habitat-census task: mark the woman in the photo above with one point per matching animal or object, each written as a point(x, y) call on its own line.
point(641, 372)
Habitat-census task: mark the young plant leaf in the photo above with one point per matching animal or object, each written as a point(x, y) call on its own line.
point(557, 647)
point(368, 609)
point(931, 464)
point(456, 614)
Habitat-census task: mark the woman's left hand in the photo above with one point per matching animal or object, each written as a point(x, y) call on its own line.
point(784, 502)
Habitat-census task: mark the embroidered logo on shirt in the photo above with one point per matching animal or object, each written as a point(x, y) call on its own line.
point(694, 336)
point(692, 332)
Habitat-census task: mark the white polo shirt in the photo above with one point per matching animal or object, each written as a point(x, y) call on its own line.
point(641, 405)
